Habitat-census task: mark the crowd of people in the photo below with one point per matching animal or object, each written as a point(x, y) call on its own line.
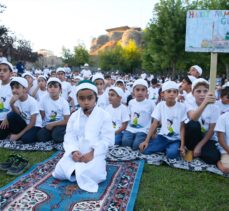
point(91, 112)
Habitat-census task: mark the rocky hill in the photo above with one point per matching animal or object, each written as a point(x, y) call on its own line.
point(114, 35)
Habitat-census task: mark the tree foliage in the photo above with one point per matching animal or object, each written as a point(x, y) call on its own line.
point(79, 56)
point(123, 58)
point(165, 36)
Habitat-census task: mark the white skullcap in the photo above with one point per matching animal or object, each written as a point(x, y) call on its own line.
point(197, 81)
point(191, 78)
point(225, 85)
point(15, 70)
point(8, 64)
point(54, 79)
point(140, 82)
point(169, 85)
point(119, 80)
point(28, 74)
point(198, 69)
point(77, 77)
point(86, 84)
point(42, 76)
point(20, 80)
point(118, 91)
point(60, 69)
point(86, 65)
point(97, 76)
point(87, 74)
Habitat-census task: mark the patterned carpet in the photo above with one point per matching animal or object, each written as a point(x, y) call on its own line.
point(38, 190)
point(123, 154)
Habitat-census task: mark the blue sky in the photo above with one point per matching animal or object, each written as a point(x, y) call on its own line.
point(52, 24)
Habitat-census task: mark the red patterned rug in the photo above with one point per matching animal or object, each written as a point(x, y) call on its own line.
point(38, 190)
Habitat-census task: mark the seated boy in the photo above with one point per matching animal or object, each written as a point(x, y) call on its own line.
point(89, 133)
point(55, 112)
point(24, 121)
point(118, 112)
point(199, 131)
point(171, 115)
point(222, 129)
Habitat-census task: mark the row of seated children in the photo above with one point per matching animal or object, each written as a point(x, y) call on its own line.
point(130, 130)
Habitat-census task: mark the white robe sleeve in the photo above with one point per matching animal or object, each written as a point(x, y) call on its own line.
point(107, 137)
point(71, 142)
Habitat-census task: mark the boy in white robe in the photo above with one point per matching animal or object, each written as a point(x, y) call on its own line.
point(89, 133)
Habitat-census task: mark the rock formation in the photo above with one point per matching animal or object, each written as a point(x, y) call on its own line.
point(114, 35)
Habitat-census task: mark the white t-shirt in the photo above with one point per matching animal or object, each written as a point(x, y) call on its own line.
point(153, 94)
point(189, 99)
point(170, 119)
point(223, 108)
point(73, 96)
point(222, 125)
point(28, 108)
point(55, 110)
point(103, 101)
point(119, 115)
point(66, 89)
point(40, 94)
point(32, 89)
point(208, 116)
point(5, 96)
point(140, 115)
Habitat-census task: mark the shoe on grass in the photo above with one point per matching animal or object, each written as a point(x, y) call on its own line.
point(18, 167)
point(9, 162)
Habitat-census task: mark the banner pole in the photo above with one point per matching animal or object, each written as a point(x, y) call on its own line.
point(213, 70)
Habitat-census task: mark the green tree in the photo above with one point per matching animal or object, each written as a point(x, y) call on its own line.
point(165, 36)
point(111, 59)
point(123, 58)
point(132, 57)
point(79, 56)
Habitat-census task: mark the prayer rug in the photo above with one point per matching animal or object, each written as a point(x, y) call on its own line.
point(38, 190)
point(118, 153)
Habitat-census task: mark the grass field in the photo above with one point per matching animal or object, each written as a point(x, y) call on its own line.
point(162, 187)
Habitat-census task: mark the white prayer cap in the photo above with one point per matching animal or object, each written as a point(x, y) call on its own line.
point(143, 75)
point(15, 70)
point(97, 76)
point(20, 80)
point(86, 65)
point(118, 91)
point(60, 69)
point(140, 82)
point(87, 74)
point(42, 76)
point(225, 85)
point(197, 81)
point(191, 78)
point(77, 77)
point(28, 74)
point(119, 80)
point(54, 79)
point(198, 69)
point(169, 85)
point(8, 64)
point(86, 84)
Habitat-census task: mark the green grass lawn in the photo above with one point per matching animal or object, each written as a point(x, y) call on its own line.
point(162, 187)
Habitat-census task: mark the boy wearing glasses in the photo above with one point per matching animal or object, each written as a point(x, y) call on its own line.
point(171, 115)
point(89, 133)
point(140, 110)
point(55, 113)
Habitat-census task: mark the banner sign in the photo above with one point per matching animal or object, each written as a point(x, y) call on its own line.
point(207, 31)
